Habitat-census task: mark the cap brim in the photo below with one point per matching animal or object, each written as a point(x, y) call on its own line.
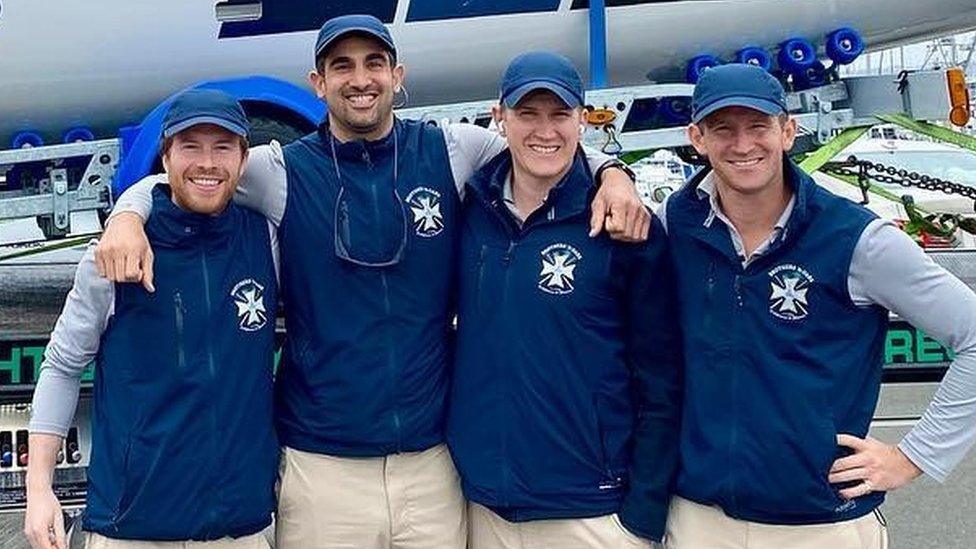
point(762, 105)
point(519, 93)
point(226, 124)
point(356, 30)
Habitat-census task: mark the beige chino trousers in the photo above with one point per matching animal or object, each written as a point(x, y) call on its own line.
point(486, 530)
point(254, 541)
point(401, 501)
point(695, 526)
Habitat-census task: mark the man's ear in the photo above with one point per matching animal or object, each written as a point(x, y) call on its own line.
point(789, 133)
point(244, 157)
point(399, 73)
point(697, 138)
point(498, 115)
point(318, 83)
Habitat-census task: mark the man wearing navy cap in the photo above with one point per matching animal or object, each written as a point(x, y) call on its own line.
point(786, 291)
point(565, 398)
point(183, 442)
point(367, 211)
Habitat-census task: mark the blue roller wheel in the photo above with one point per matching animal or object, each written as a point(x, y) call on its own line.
point(27, 139)
point(844, 45)
point(796, 54)
point(697, 66)
point(754, 56)
point(80, 133)
point(675, 110)
point(811, 77)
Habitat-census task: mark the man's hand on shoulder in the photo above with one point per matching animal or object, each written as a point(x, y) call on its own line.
point(618, 209)
point(123, 253)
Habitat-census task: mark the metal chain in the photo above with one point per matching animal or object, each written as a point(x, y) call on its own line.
point(860, 169)
point(943, 225)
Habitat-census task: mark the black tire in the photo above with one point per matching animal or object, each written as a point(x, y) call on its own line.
point(265, 128)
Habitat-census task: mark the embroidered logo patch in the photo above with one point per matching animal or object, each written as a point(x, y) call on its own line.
point(789, 285)
point(425, 204)
point(559, 262)
point(248, 296)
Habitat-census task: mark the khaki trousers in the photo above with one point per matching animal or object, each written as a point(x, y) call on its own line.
point(254, 541)
point(695, 526)
point(486, 530)
point(401, 501)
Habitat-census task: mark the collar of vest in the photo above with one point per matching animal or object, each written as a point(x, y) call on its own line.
point(177, 227)
point(803, 187)
point(570, 197)
point(361, 149)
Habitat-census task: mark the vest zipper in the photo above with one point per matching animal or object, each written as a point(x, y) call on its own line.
point(734, 388)
point(387, 309)
point(212, 369)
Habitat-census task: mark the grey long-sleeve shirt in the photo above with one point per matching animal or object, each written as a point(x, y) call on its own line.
point(264, 185)
point(890, 270)
point(75, 340)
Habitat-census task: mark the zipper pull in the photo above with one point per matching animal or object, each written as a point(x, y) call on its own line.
point(507, 258)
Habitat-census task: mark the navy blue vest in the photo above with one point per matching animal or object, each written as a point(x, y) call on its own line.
point(779, 359)
point(183, 443)
point(365, 368)
point(544, 399)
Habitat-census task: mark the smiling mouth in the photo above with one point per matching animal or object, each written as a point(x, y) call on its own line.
point(205, 184)
point(543, 149)
point(745, 163)
point(362, 100)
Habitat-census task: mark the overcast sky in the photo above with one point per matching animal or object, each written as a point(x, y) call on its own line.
point(915, 55)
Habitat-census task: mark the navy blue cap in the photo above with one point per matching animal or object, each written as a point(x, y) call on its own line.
point(202, 106)
point(337, 27)
point(541, 70)
point(737, 85)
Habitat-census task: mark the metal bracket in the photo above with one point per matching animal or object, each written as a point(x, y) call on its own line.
point(59, 194)
point(57, 197)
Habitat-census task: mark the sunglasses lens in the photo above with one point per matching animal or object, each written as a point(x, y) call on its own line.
point(369, 225)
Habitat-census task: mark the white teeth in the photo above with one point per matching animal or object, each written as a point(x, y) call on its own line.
point(205, 182)
point(543, 150)
point(745, 163)
point(361, 99)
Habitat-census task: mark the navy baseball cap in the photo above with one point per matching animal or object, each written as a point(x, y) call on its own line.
point(737, 85)
point(202, 106)
point(541, 70)
point(337, 27)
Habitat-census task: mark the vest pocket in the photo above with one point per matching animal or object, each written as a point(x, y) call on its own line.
point(611, 481)
point(124, 503)
point(179, 313)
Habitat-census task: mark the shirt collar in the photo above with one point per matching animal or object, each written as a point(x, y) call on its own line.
point(706, 188)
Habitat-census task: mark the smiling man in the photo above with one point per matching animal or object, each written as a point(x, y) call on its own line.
point(566, 393)
point(785, 292)
point(367, 212)
point(183, 443)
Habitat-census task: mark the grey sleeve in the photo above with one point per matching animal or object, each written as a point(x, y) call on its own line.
point(137, 199)
point(470, 147)
point(275, 254)
point(264, 185)
point(890, 270)
point(662, 213)
point(74, 343)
